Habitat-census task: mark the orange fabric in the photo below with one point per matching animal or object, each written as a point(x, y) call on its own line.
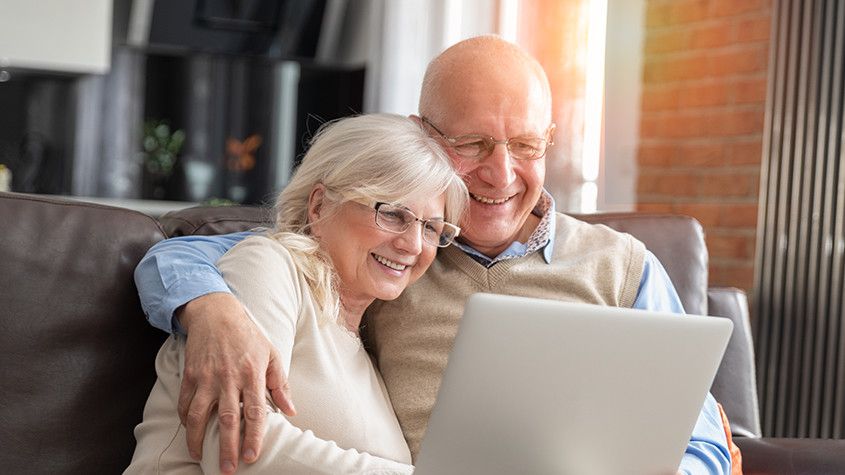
point(736, 456)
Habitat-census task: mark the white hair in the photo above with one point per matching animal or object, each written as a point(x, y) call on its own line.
point(374, 157)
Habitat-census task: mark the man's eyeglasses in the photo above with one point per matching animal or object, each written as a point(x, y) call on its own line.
point(479, 146)
point(397, 219)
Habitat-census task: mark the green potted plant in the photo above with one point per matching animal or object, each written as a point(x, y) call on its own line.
point(161, 147)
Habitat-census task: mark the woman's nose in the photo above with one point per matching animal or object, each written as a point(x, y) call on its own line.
point(411, 241)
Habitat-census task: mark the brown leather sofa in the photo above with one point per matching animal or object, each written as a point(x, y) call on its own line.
point(77, 355)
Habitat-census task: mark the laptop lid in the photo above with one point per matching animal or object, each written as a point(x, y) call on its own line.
point(541, 386)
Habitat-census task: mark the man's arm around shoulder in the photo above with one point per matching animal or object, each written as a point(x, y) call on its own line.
point(178, 270)
point(227, 359)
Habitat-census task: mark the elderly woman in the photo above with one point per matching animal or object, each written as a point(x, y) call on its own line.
point(360, 220)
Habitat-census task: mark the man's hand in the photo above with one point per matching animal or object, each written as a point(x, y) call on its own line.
point(228, 361)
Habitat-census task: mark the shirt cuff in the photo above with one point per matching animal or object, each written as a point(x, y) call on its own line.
point(186, 289)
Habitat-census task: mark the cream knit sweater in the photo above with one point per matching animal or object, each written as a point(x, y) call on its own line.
point(411, 336)
point(345, 422)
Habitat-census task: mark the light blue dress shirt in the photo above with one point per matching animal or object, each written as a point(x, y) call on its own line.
point(178, 270)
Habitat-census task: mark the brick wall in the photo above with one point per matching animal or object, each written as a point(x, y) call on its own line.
point(701, 130)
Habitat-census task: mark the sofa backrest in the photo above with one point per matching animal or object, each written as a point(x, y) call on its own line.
point(678, 241)
point(211, 220)
point(77, 354)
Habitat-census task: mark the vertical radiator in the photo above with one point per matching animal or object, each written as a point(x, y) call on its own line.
point(800, 272)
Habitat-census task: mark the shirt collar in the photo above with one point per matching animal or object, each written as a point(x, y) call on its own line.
point(539, 239)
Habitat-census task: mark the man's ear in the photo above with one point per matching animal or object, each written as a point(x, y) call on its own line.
point(315, 202)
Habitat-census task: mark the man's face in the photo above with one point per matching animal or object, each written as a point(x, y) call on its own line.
point(503, 190)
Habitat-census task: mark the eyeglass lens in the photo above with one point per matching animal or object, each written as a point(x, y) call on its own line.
point(398, 219)
point(524, 148)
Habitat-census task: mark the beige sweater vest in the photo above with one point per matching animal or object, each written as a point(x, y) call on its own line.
point(411, 336)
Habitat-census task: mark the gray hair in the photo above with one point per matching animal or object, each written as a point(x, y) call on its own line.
point(374, 157)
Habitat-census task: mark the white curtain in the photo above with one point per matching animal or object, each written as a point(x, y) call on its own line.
point(396, 39)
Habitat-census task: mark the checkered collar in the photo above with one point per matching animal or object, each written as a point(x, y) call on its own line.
point(539, 239)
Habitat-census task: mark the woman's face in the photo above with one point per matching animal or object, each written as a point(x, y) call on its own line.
point(373, 263)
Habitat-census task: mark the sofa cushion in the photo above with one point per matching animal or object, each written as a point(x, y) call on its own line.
point(792, 456)
point(77, 352)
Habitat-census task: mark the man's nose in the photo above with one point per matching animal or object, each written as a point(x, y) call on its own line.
point(497, 169)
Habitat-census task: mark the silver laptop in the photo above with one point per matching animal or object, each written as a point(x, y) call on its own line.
point(545, 387)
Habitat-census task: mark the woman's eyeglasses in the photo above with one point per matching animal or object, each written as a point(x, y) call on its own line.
point(397, 219)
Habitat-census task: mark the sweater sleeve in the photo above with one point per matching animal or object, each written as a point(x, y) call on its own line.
point(262, 274)
point(290, 450)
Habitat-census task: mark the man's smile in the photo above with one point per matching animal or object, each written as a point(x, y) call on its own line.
point(488, 200)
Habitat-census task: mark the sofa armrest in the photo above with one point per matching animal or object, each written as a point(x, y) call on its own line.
point(735, 385)
point(76, 354)
point(791, 456)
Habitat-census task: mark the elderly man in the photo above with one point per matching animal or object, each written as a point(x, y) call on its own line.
point(490, 104)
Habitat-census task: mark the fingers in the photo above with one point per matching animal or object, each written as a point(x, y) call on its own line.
point(228, 360)
point(229, 419)
point(254, 412)
point(277, 383)
point(196, 419)
point(197, 397)
point(186, 395)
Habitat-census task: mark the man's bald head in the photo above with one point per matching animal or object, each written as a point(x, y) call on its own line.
point(488, 87)
point(485, 67)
